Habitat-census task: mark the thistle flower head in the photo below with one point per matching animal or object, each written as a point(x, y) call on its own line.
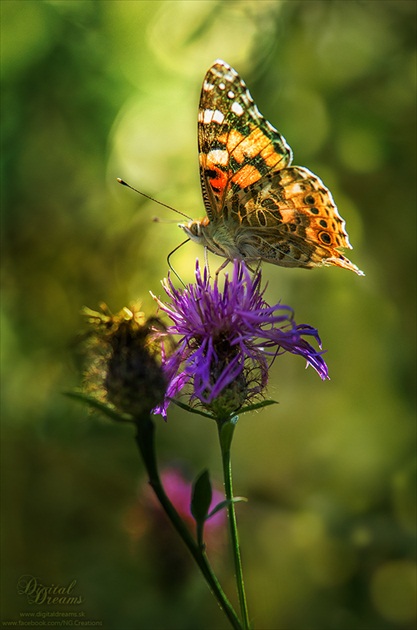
point(228, 340)
point(125, 359)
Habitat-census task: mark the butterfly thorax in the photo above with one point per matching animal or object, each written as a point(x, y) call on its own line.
point(219, 237)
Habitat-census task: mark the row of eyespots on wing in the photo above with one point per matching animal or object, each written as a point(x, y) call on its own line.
point(322, 198)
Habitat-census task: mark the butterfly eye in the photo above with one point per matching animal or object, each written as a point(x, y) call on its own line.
point(193, 228)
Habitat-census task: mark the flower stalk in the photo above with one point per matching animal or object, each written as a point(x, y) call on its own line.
point(226, 431)
point(145, 439)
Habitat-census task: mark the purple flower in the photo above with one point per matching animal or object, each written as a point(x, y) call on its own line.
point(228, 340)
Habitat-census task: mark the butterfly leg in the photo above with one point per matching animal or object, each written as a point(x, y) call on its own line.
point(257, 268)
point(222, 266)
point(206, 261)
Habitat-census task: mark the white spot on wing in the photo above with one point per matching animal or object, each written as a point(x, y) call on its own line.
point(217, 156)
point(294, 189)
point(237, 109)
point(209, 115)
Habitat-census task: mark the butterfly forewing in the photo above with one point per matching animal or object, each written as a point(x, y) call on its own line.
point(237, 146)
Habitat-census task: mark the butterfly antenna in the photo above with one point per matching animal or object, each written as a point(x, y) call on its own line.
point(164, 221)
point(123, 183)
point(169, 261)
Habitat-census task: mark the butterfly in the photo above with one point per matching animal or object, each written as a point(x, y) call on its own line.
point(259, 207)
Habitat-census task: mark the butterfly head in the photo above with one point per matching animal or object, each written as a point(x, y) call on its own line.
point(195, 230)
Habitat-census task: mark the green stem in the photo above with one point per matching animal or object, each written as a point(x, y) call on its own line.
point(145, 439)
point(227, 473)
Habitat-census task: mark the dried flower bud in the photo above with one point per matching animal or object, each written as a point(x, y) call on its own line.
point(127, 352)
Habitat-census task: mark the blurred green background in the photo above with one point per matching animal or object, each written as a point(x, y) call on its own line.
point(92, 91)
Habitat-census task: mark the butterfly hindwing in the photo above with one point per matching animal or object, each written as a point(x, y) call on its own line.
point(292, 219)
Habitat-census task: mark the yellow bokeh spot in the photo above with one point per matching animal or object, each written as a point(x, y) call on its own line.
point(361, 150)
point(394, 591)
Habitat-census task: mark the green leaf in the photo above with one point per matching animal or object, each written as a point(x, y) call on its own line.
point(201, 497)
point(100, 406)
point(200, 502)
point(190, 409)
point(225, 504)
point(259, 405)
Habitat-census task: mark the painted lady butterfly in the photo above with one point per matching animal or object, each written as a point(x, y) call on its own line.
point(258, 206)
